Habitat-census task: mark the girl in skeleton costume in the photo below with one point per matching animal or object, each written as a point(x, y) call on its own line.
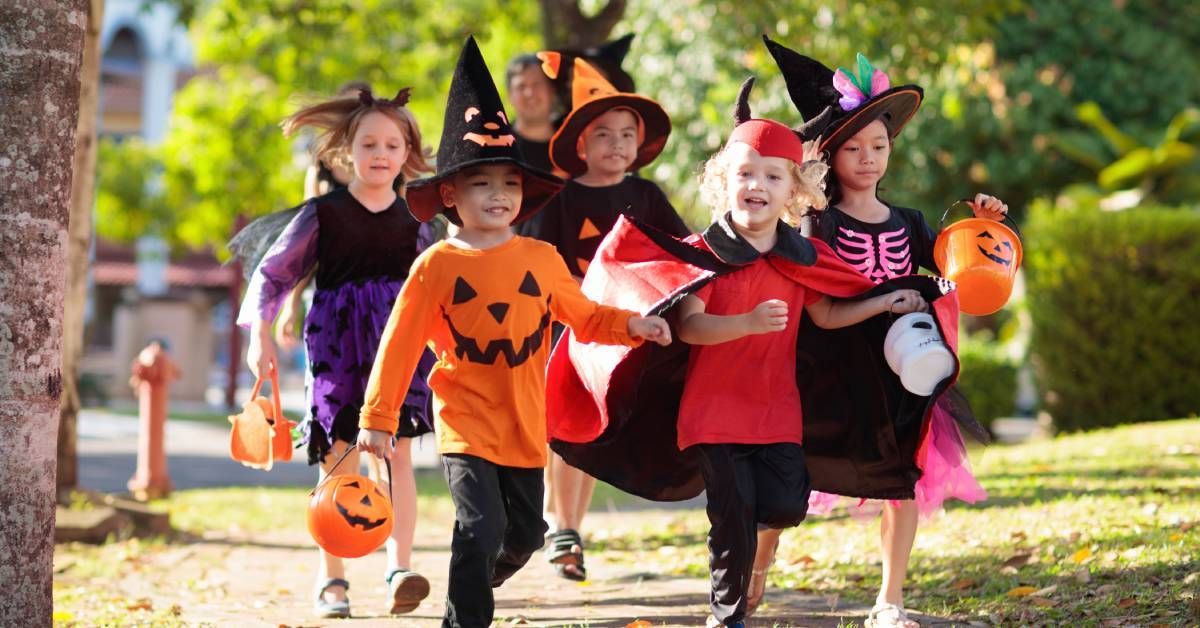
point(863, 114)
point(361, 239)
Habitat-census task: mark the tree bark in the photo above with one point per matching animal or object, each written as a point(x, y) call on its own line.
point(565, 26)
point(41, 44)
point(83, 188)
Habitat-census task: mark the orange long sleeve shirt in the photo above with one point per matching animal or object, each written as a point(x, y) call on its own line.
point(486, 315)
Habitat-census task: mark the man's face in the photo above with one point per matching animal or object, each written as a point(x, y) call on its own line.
point(532, 95)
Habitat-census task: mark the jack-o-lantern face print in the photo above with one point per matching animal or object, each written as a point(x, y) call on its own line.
point(487, 304)
point(366, 509)
point(999, 250)
point(487, 131)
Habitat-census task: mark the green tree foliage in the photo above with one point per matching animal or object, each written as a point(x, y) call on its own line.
point(999, 107)
point(692, 56)
point(1138, 166)
point(225, 154)
point(1113, 299)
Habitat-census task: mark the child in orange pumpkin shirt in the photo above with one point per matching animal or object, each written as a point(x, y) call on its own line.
point(483, 300)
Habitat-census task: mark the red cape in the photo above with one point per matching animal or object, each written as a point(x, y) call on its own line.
point(612, 410)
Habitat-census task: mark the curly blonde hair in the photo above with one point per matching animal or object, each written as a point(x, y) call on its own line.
point(809, 178)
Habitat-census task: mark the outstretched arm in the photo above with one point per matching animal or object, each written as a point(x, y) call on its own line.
point(830, 314)
point(697, 327)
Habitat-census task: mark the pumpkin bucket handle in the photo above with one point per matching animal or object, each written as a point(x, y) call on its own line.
point(969, 203)
point(329, 474)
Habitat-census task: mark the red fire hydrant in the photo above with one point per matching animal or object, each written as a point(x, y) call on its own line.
point(153, 371)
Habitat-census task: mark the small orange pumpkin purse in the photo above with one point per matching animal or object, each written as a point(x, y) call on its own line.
point(261, 434)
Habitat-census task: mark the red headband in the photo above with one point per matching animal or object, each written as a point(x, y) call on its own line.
point(770, 139)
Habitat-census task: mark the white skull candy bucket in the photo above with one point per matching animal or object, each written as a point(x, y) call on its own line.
point(915, 350)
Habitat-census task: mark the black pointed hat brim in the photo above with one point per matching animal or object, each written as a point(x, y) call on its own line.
point(896, 107)
point(656, 125)
point(537, 188)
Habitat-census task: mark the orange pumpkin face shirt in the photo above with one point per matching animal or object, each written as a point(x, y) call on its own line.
point(486, 315)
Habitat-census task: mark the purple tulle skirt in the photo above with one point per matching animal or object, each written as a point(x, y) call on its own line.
point(945, 473)
point(342, 332)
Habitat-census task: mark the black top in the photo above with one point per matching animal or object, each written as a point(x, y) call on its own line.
point(535, 153)
point(354, 243)
point(578, 218)
point(880, 251)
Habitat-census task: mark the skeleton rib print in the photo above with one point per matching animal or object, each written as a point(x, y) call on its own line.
point(878, 258)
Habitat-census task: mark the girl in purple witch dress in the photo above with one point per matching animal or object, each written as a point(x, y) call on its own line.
point(361, 239)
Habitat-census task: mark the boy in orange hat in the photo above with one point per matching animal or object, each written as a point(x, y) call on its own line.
point(607, 135)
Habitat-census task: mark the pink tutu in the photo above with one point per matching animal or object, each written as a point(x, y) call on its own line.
point(945, 474)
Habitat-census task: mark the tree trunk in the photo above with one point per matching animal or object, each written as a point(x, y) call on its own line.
point(565, 26)
point(41, 43)
point(78, 245)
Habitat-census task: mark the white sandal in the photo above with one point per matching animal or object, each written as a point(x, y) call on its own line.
point(887, 615)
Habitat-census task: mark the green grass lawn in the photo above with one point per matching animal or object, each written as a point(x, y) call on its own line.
point(1098, 529)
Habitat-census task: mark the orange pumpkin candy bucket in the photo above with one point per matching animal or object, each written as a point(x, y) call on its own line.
point(260, 434)
point(348, 515)
point(980, 256)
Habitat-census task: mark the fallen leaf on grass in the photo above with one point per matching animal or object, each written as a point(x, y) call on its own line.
point(1126, 602)
point(1021, 591)
point(144, 604)
point(1048, 591)
point(1105, 589)
point(1042, 602)
point(1008, 571)
point(1082, 575)
point(1192, 577)
point(1017, 560)
point(1175, 537)
point(1081, 555)
point(62, 616)
point(1187, 525)
point(962, 584)
point(806, 560)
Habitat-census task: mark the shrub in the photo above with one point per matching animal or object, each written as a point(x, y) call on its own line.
point(988, 379)
point(1115, 301)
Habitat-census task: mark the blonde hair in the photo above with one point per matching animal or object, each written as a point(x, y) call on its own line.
point(338, 120)
point(809, 178)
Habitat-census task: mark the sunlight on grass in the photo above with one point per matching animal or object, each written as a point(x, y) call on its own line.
point(1090, 527)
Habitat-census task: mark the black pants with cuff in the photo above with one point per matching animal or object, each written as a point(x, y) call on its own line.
point(498, 526)
point(747, 485)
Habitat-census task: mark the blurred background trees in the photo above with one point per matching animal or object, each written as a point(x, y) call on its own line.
point(1074, 107)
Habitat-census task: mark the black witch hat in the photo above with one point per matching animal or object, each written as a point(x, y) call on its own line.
point(845, 102)
point(476, 132)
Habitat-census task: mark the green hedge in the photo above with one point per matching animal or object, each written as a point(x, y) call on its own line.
point(1115, 304)
point(988, 380)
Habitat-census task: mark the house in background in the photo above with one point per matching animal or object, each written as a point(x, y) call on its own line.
point(136, 295)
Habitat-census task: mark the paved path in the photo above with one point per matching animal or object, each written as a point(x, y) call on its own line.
point(197, 456)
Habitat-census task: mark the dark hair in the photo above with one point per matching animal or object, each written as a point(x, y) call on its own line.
point(833, 187)
point(518, 65)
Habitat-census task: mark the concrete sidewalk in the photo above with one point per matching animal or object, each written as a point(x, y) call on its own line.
point(197, 456)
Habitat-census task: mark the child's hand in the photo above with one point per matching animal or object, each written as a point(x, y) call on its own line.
point(285, 325)
point(375, 442)
point(989, 207)
point(260, 355)
point(652, 328)
point(768, 316)
point(904, 302)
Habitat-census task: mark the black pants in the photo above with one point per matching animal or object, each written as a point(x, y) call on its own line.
point(747, 485)
point(498, 525)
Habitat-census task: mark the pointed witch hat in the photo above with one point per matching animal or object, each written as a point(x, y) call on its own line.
point(591, 97)
point(559, 65)
point(846, 101)
point(476, 132)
